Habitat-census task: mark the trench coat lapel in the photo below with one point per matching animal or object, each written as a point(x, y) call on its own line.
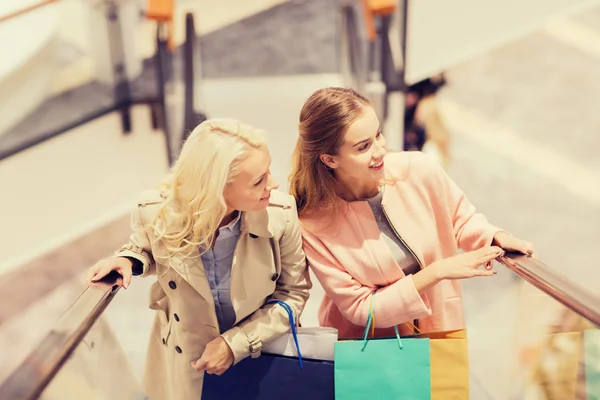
point(255, 224)
point(255, 229)
point(192, 270)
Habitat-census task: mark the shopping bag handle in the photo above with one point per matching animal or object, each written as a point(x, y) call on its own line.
point(290, 313)
point(371, 320)
point(413, 328)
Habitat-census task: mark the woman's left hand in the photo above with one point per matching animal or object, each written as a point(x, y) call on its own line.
point(511, 243)
point(216, 359)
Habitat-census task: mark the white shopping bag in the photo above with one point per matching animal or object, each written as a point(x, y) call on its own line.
point(316, 343)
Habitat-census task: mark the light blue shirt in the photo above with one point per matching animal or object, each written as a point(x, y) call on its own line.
point(217, 263)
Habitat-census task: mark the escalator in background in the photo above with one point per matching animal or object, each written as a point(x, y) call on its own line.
point(90, 59)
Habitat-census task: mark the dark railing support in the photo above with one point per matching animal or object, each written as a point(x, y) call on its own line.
point(188, 75)
point(123, 94)
point(122, 90)
point(394, 79)
point(162, 59)
point(191, 117)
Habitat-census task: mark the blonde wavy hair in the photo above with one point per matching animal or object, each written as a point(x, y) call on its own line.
point(194, 204)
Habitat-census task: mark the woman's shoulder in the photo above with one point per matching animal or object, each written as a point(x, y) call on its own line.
point(149, 203)
point(150, 197)
point(324, 224)
point(281, 200)
point(281, 210)
point(411, 165)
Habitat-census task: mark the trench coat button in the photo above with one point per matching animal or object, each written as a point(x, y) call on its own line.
point(178, 349)
point(274, 277)
point(176, 317)
point(172, 285)
point(253, 236)
point(164, 341)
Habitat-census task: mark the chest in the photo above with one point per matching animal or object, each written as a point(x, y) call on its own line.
point(255, 266)
point(419, 221)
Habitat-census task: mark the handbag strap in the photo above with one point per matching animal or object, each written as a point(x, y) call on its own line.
point(371, 325)
point(290, 313)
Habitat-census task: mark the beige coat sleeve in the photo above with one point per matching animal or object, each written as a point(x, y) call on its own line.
point(139, 244)
point(271, 321)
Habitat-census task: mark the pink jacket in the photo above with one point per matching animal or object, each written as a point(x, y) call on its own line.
point(351, 260)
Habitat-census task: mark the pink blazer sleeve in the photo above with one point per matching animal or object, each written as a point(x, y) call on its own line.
point(394, 304)
point(471, 229)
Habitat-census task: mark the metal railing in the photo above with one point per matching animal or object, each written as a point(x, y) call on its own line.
point(58, 347)
point(549, 281)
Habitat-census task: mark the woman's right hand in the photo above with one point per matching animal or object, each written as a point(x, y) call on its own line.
point(121, 265)
point(466, 265)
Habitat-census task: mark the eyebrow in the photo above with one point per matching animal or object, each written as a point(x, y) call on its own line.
point(259, 178)
point(361, 142)
point(366, 140)
point(263, 175)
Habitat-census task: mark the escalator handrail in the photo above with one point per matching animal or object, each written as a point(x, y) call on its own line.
point(555, 284)
point(32, 376)
point(25, 10)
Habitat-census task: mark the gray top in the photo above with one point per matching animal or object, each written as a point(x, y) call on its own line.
point(401, 254)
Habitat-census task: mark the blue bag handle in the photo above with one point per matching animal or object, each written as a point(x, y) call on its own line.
point(370, 321)
point(290, 313)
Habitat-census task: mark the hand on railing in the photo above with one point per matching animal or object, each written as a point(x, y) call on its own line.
point(119, 265)
point(511, 243)
point(112, 281)
point(466, 265)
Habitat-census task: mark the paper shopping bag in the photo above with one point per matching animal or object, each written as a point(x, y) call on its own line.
point(382, 369)
point(591, 340)
point(449, 360)
point(273, 377)
point(317, 343)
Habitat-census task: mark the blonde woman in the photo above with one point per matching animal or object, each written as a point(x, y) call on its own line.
point(221, 242)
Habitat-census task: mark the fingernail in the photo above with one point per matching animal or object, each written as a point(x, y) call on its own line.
point(495, 272)
point(125, 286)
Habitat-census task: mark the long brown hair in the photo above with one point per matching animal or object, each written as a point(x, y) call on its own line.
point(324, 120)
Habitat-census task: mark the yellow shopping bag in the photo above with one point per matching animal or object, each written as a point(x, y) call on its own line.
point(449, 360)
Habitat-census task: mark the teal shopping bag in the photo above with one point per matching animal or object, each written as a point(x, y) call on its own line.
point(382, 369)
point(591, 343)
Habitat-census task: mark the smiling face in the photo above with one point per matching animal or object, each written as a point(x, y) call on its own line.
point(359, 162)
point(250, 190)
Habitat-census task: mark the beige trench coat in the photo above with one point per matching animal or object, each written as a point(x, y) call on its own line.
point(268, 264)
